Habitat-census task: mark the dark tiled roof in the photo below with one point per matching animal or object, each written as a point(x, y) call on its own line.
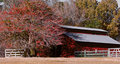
point(92, 38)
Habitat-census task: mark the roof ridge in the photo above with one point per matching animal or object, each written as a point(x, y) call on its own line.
point(84, 28)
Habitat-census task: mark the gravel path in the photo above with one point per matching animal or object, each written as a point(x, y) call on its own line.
point(59, 60)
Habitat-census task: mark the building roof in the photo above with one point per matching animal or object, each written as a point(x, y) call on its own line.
point(92, 38)
point(82, 28)
point(1, 3)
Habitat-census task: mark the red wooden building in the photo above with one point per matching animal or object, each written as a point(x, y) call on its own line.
point(87, 39)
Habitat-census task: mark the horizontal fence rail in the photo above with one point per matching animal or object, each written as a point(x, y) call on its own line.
point(111, 52)
point(114, 52)
point(96, 53)
point(14, 52)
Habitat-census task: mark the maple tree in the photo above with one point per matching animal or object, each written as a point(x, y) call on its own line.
point(30, 24)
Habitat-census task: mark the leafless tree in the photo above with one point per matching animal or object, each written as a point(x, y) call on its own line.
point(70, 11)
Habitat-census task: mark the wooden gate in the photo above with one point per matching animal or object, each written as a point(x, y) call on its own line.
point(114, 52)
point(14, 52)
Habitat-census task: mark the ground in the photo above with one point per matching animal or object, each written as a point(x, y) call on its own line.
point(59, 60)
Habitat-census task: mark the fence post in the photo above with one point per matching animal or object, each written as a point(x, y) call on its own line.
point(95, 51)
point(116, 52)
point(5, 52)
point(108, 52)
point(84, 53)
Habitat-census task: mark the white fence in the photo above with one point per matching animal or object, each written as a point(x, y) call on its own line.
point(114, 52)
point(111, 52)
point(14, 53)
point(96, 53)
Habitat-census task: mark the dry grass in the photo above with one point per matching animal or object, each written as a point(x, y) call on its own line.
point(59, 60)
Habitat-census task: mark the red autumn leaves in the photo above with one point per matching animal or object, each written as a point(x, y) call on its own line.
point(35, 18)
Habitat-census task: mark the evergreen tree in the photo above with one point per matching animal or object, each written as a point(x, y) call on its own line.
point(89, 8)
point(113, 27)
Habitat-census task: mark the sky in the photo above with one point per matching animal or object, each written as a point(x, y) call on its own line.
point(117, 1)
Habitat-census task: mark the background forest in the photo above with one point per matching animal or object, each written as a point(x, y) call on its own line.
point(87, 13)
point(91, 13)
